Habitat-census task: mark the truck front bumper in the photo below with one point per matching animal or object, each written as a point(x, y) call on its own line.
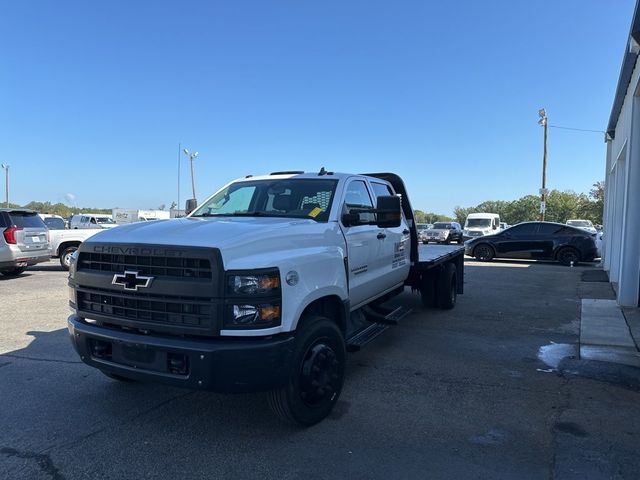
point(226, 365)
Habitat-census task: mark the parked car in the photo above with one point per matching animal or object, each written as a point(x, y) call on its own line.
point(422, 228)
point(504, 225)
point(536, 240)
point(443, 232)
point(24, 240)
point(92, 220)
point(586, 225)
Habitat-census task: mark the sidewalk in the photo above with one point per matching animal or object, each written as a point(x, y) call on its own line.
point(605, 333)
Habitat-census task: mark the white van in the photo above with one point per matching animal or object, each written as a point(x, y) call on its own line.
point(481, 224)
point(92, 220)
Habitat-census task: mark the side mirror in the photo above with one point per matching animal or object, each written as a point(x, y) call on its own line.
point(495, 227)
point(351, 219)
point(190, 206)
point(389, 211)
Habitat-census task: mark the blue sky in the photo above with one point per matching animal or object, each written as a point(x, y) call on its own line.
point(95, 97)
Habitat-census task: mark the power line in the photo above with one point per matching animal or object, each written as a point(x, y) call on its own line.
point(577, 129)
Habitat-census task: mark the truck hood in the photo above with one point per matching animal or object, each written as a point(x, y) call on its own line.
point(236, 237)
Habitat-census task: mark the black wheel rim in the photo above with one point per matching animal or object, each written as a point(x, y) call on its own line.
point(320, 375)
point(484, 253)
point(569, 257)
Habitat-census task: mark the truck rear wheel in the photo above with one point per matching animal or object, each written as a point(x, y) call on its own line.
point(316, 375)
point(447, 287)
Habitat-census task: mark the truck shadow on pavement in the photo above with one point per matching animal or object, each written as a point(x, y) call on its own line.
point(50, 364)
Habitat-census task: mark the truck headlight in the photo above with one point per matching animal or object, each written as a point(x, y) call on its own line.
point(264, 315)
point(73, 262)
point(254, 283)
point(253, 299)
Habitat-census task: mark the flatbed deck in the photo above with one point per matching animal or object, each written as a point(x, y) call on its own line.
point(431, 254)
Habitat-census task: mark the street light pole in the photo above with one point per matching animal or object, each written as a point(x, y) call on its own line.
point(5, 167)
point(179, 156)
point(193, 179)
point(543, 191)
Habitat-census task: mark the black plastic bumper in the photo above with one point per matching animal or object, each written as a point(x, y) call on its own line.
point(225, 365)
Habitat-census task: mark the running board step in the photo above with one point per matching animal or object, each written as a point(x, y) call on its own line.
point(365, 336)
point(385, 315)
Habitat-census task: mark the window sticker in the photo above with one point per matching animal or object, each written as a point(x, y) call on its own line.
point(315, 212)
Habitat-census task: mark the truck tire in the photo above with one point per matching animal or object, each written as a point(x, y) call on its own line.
point(65, 257)
point(14, 272)
point(447, 287)
point(316, 375)
point(428, 290)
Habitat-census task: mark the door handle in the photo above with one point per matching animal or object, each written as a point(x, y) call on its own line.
point(405, 232)
point(381, 235)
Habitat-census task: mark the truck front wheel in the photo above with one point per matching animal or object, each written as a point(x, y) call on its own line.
point(65, 257)
point(316, 374)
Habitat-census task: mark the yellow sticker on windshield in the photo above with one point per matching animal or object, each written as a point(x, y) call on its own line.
point(315, 212)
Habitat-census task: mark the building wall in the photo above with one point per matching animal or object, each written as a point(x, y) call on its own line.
point(621, 243)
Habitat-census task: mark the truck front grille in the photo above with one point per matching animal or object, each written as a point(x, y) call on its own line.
point(189, 314)
point(156, 266)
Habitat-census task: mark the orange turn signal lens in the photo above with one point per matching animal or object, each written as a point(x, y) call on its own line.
point(270, 312)
point(269, 283)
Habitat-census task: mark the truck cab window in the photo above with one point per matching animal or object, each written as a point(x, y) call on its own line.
point(357, 197)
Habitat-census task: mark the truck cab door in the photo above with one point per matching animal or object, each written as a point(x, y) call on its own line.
point(363, 247)
point(396, 245)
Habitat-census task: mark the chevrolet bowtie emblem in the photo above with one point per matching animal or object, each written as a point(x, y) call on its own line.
point(131, 280)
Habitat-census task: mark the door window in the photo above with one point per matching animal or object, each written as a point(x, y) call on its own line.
point(523, 230)
point(381, 189)
point(550, 229)
point(357, 197)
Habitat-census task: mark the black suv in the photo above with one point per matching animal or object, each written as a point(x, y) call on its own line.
point(536, 240)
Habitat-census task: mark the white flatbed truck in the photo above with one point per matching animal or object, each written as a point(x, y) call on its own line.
point(265, 286)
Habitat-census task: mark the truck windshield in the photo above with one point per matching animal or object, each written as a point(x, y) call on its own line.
point(442, 226)
point(104, 220)
point(297, 198)
point(478, 222)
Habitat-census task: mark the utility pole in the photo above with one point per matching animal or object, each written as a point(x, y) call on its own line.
point(543, 191)
point(5, 167)
point(193, 180)
point(179, 155)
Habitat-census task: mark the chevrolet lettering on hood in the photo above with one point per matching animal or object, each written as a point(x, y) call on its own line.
point(159, 252)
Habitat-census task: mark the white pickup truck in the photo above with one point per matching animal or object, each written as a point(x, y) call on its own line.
point(265, 286)
point(65, 242)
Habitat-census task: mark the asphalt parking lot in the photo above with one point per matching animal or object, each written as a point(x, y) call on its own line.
point(446, 394)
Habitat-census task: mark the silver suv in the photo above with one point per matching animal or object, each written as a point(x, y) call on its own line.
point(24, 240)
